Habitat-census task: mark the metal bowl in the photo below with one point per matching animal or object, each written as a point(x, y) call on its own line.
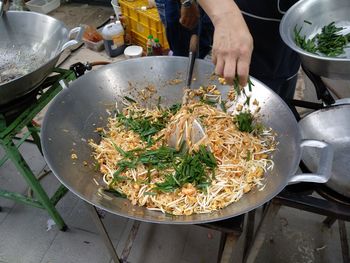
point(319, 13)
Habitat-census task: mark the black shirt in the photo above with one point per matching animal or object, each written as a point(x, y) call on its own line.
point(271, 59)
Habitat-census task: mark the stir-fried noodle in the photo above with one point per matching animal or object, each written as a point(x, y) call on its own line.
point(137, 162)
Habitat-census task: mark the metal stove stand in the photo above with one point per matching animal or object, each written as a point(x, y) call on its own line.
point(230, 229)
point(329, 204)
point(332, 209)
point(8, 132)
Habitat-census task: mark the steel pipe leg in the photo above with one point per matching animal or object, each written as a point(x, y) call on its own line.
point(344, 241)
point(103, 233)
point(250, 232)
point(230, 242)
point(264, 226)
point(223, 236)
point(130, 241)
point(329, 221)
point(36, 138)
point(24, 169)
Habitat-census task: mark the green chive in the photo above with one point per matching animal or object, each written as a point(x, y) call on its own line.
point(129, 99)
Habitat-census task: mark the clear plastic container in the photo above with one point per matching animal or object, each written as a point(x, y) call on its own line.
point(43, 6)
point(94, 45)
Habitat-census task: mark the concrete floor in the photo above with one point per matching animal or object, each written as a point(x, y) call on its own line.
point(27, 234)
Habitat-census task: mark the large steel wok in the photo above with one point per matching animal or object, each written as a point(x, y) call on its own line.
point(30, 46)
point(76, 112)
point(332, 126)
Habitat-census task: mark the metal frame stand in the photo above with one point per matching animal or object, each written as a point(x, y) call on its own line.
point(231, 230)
point(332, 210)
point(252, 250)
point(8, 134)
point(103, 233)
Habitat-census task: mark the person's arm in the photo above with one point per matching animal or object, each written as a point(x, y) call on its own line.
point(233, 44)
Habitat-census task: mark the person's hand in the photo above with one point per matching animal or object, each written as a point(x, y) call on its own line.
point(232, 48)
point(189, 16)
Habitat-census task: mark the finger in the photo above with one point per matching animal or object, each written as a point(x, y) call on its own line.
point(220, 65)
point(213, 57)
point(230, 70)
point(243, 64)
point(214, 53)
point(243, 72)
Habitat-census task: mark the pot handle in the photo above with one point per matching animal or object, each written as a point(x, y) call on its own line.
point(77, 34)
point(324, 167)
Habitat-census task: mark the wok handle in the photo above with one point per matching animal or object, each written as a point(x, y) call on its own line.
point(324, 169)
point(77, 34)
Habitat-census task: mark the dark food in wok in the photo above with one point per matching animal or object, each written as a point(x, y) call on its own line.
point(137, 162)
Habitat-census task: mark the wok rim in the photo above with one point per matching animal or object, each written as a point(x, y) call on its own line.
point(320, 111)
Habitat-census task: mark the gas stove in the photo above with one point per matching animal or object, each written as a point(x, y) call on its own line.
point(14, 117)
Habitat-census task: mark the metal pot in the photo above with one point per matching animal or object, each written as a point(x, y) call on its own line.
point(30, 46)
point(332, 126)
point(76, 112)
point(319, 13)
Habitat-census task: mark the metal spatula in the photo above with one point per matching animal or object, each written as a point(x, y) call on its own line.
point(197, 131)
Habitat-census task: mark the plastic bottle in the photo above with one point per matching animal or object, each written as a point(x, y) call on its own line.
point(149, 46)
point(157, 49)
point(113, 38)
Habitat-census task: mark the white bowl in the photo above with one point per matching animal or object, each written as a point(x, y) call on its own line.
point(133, 52)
